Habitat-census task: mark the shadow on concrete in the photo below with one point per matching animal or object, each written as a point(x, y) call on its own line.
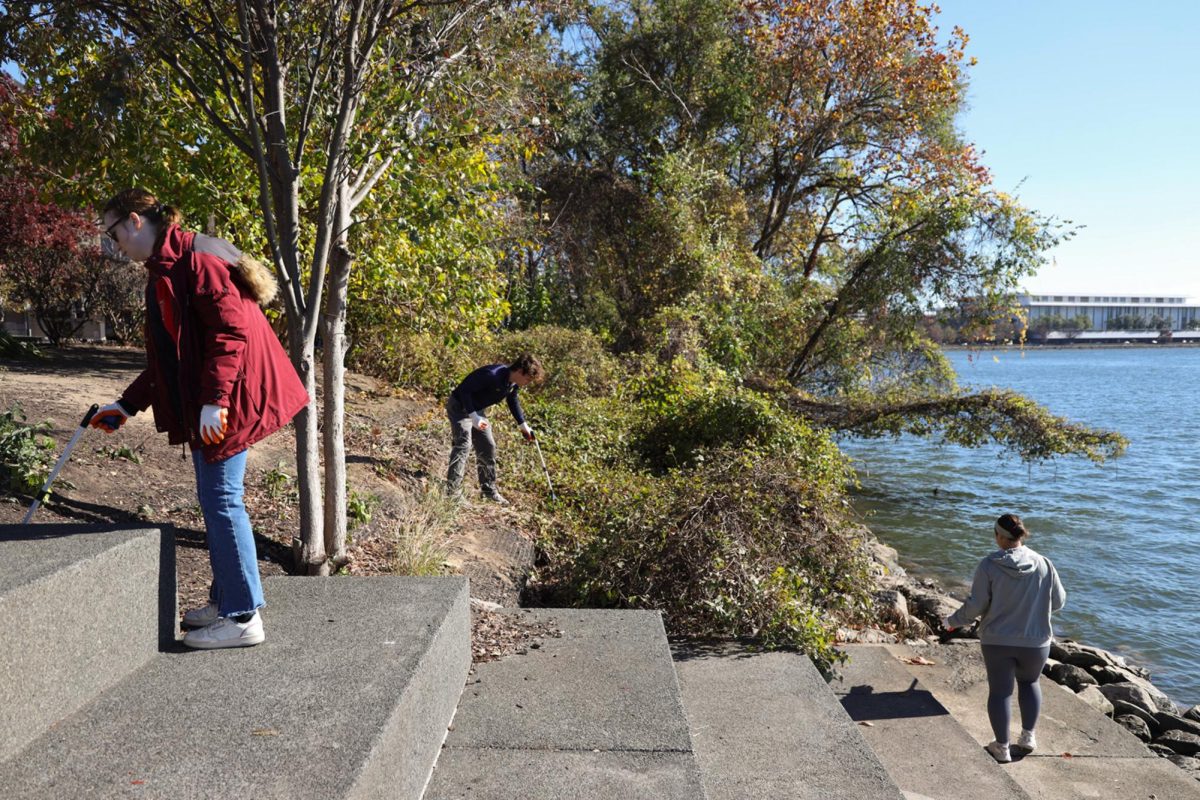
point(864, 704)
point(57, 530)
point(685, 649)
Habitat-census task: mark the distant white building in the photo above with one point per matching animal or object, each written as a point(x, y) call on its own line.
point(1111, 316)
point(22, 324)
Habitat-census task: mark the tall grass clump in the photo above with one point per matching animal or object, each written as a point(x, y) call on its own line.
point(419, 536)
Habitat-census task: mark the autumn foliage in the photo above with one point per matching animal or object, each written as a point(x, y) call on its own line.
point(49, 257)
point(857, 100)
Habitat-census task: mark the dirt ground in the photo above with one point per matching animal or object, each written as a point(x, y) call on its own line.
point(397, 446)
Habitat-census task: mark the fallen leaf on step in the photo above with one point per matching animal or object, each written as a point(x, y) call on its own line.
point(867, 724)
point(920, 661)
point(1067, 755)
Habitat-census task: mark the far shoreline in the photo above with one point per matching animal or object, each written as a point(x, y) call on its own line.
point(979, 348)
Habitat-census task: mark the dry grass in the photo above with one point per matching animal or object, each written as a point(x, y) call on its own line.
point(425, 523)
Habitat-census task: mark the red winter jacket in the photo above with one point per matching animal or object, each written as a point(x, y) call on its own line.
point(225, 351)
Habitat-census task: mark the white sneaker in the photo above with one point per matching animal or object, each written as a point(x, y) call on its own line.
point(496, 498)
point(227, 632)
point(201, 617)
point(1027, 741)
point(999, 752)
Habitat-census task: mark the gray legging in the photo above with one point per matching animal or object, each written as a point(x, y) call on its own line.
point(1004, 665)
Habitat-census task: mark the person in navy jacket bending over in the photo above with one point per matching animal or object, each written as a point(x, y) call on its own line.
point(465, 407)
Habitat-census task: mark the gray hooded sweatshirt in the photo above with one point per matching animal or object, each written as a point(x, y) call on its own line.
point(1015, 592)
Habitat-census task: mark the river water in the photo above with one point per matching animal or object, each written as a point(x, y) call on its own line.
point(1125, 536)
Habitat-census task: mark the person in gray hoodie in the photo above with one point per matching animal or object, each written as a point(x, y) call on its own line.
point(1014, 592)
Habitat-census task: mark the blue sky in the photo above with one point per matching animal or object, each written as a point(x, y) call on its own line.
point(1090, 111)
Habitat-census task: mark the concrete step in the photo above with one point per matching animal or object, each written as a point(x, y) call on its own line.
point(1081, 752)
point(925, 750)
point(593, 715)
point(83, 608)
point(767, 725)
point(349, 697)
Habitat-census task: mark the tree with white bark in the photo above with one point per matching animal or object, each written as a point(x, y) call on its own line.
point(322, 99)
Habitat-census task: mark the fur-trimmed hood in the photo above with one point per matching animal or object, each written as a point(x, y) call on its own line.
point(250, 273)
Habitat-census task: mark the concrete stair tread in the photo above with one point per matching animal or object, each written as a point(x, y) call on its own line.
point(767, 725)
point(349, 696)
point(926, 752)
point(593, 713)
point(83, 607)
point(1081, 752)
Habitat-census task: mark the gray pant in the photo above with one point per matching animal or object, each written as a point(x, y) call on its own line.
point(463, 434)
point(1006, 666)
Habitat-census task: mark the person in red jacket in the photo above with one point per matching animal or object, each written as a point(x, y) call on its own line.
point(217, 379)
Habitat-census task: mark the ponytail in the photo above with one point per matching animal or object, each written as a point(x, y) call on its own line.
point(1011, 527)
point(139, 201)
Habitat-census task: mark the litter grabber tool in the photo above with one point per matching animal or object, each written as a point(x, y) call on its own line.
point(544, 470)
point(62, 460)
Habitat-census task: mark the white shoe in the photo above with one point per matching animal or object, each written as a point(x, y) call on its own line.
point(999, 752)
point(201, 617)
point(1027, 741)
point(496, 498)
point(227, 632)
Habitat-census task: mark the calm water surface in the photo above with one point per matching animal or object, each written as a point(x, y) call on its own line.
point(1124, 536)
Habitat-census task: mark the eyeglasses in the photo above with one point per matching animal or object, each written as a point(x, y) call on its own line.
point(109, 230)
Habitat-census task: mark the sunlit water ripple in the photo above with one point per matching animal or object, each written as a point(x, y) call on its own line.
point(1123, 535)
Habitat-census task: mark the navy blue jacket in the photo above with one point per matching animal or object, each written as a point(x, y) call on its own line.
point(485, 387)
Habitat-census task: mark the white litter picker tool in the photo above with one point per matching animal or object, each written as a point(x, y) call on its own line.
point(544, 470)
point(62, 460)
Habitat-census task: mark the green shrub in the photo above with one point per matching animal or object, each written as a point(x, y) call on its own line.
point(576, 361)
point(740, 547)
point(279, 485)
point(26, 455)
point(124, 452)
point(12, 347)
point(418, 360)
point(359, 508)
point(684, 492)
point(739, 418)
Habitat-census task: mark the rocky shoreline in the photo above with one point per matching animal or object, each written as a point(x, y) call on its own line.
point(911, 610)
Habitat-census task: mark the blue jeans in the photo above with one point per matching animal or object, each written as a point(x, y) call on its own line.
point(236, 587)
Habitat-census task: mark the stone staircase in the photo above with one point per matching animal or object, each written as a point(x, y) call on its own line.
point(359, 693)
point(349, 697)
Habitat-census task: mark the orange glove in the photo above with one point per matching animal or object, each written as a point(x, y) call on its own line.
point(214, 421)
point(110, 417)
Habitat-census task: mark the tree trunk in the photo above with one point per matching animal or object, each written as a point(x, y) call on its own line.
point(308, 549)
point(334, 327)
